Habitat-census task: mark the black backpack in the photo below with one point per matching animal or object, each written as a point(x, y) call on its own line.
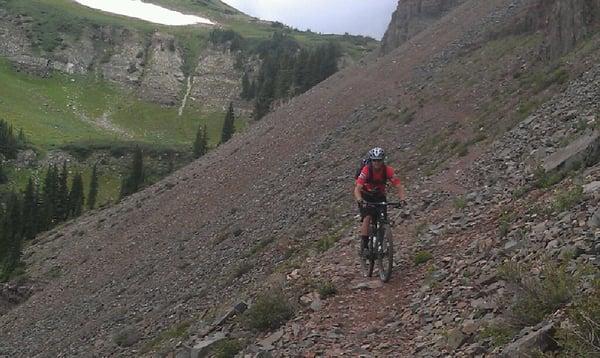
point(367, 162)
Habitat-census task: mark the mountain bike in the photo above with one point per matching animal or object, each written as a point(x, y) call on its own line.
point(380, 247)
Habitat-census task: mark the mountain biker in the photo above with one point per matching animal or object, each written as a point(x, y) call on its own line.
point(370, 187)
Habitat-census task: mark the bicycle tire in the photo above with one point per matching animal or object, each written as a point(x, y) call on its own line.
point(385, 258)
point(368, 263)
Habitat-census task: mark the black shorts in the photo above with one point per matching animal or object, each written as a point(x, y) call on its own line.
point(370, 211)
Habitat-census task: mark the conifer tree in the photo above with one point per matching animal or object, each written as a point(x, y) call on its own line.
point(228, 124)
point(245, 87)
point(12, 231)
point(76, 196)
point(62, 207)
point(3, 177)
point(30, 211)
point(134, 181)
point(50, 199)
point(200, 143)
point(8, 141)
point(93, 193)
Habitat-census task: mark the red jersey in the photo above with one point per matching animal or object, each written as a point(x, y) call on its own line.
point(377, 182)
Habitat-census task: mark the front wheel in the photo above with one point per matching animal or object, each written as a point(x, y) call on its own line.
point(367, 261)
point(385, 253)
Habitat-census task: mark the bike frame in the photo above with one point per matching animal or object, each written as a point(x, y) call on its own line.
point(378, 222)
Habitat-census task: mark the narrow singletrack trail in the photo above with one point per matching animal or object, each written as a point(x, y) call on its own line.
point(366, 317)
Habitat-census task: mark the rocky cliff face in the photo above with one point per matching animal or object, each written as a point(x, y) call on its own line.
point(150, 64)
point(565, 23)
point(412, 17)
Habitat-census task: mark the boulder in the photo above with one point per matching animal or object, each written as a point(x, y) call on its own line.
point(591, 187)
point(594, 221)
point(455, 339)
point(583, 151)
point(540, 339)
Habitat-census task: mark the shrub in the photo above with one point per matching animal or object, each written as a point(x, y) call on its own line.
point(506, 218)
point(269, 312)
point(227, 348)
point(543, 180)
point(537, 297)
point(327, 289)
point(460, 203)
point(581, 336)
point(327, 242)
point(566, 199)
point(499, 333)
point(520, 192)
point(242, 269)
point(178, 331)
point(422, 256)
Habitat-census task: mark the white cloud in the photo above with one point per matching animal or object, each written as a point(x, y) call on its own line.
point(365, 17)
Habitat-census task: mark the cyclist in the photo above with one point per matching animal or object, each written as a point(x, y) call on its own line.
point(370, 187)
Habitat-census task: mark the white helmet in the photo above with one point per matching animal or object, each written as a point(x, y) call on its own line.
point(376, 154)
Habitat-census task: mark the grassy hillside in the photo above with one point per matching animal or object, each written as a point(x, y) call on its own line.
point(67, 108)
point(83, 114)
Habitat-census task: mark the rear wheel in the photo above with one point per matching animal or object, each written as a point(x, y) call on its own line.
point(385, 253)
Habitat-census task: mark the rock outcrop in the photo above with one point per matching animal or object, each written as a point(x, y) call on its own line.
point(163, 75)
point(151, 64)
point(565, 23)
point(216, 79)
point(412, 17)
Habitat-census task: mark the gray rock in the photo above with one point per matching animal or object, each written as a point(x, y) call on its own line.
point(591, 187)
point(316, 305)
point(268, 342)
point(455, 339)
point(584, 150)
point(371, 285)
point(594, 221)
point(202, 348)
point(237, 309)
point(539, 339)
point(127, 337)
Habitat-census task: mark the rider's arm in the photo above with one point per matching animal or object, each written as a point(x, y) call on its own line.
point(360, 182)
point(401, 192)
point(397, 184)
point(358, 192)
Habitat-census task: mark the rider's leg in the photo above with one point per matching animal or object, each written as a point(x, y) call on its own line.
point(364, 231)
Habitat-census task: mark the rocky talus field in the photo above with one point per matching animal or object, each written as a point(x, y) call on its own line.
point(489, 111)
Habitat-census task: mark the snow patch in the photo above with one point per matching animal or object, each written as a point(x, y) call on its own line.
point(145, 11)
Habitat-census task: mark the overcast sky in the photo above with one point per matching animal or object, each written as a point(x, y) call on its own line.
point(361, 17)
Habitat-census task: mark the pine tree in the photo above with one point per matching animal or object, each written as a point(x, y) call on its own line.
point(21, 139)
point(228, 124)
point(93, 193)
point(3, 177)
point(8, 141)
point(134, 181)
point(50, 199)
point(62, 208)
point(200, 144)
point(301, 72)
point(76, 196)
point(246, 87)
point(12, 230)
point(30, 211)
